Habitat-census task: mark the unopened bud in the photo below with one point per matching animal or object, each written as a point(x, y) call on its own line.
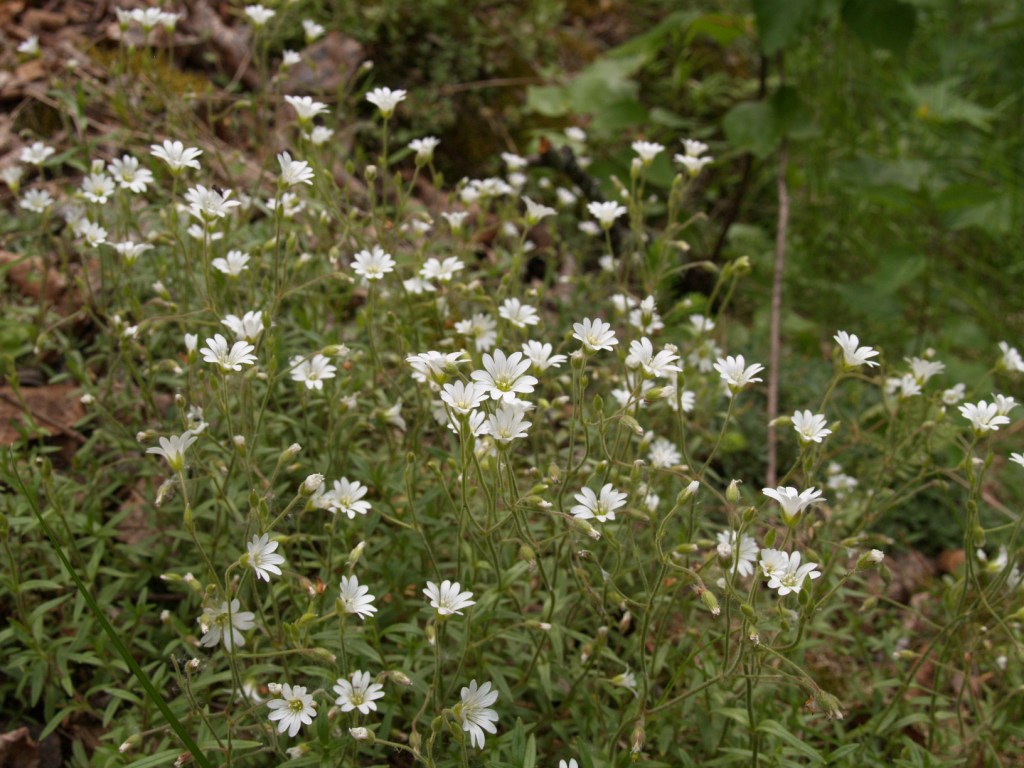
point(239, 441)
point(371, 173)
point(870, 559)
point(625, 622)
point(710, 602)
point(361, 734)
point(129, 744)
point(398, 676)
point(311, 484)
point(732, 493)
point(192, 665)
point(639, 739)
point(355, 554)
point(183, 759)
point(290, 452)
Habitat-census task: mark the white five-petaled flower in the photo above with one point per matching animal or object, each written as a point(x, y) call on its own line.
point(209, 204)
point(294, 171)
point(463, 398)
point(540, 355)
point(517, 313)
point(641, 355)
point(260, 15)
point(97, 187)
point(740, 558)
point(385, 100)
point(694, 148)
point(606, 213)
point(263, 558)
point(233, 265)
point(854, 356)
point(221, 624)
point(424, 148)
point(216, 351)
point(595, 334)
point(29, 46)
point(504, 377)
point(922, 370)
point(448, 598)
point(1011, 359)
point(647, 150)
point(442, 271)
point(811, 427)
point(294, 709)
point(434, 366)
point(305, 107)
point(735, 372)
point(535, 211)
point(1004, 404)
point(792, 501)
point(358, 693)
point(346, 497)
point(36, 200)
point(455, 220)
point(693, 165)
point(601, 508)
point(356, 598)
point(129, 175)
point(248, 327)
point(312, 30)
point(984, 417)
point(663, 453)
point(506, 423)
point(312, 371)
point(173, 449)
point(1017, 458)
point(475, 713)
point(176, 155)
point(481, 327)
point(36, 154)
point(373, 265)
point(784, 571)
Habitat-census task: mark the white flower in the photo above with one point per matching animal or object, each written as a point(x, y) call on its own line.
point(482, 328)
point(435, 366)
point(602, 508)
point(701, 324)
point(290, 59)
point(641, 355)
point(385, 100)
point(355, 598)
point(693, 165)
point(505, 377)
point(448, 598)
point(262, 557)
point(305, 107)
point(320, 135)
point(424, 148)
point(36, 154)
point(647, 150)
point(455, 220)
point(312, 30)
point(289, 203)
point(173, 449)
point(476, 424)
point(983, 416)
point(220, 624)
point(517, 313)
point(312, 371)
point(97, 187)
point(232, 266)
point(735, 372)
point(442, 271)
point(854, 356)
point(216, 351)
point(463, 398)
point(1010, 360)
point(475, 713)
point(739, 559)
point(36, 200)
point(784, 571)
point(92, 233)
point(294, 709)
point(954, 394)
point(565, 197)
point(571, 764)
point(129, 175)
point(176, 155)
point(811, 427)
point(506, 424)
point(373, 265)
point(663, 453)
point(294, 171)
point(345, 497)
point(540, 355)
point(626, 680)
point(1004, 404)
point(906, 385)
point(11, 176)
point(260, 15)
point(793, 502)
point(694, 148)
point(924, 369)
point(1017, 458)
point(606, 213)
point(703, 356)
point(358, 693)
point(595, 334)
point(535, 212)
point(248, 327)
point(29, 46)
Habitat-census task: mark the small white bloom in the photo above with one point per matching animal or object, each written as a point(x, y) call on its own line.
point(263, 558)
point(811, 427)
point(29, 46)
point(259, 15)
point(312, 371)
point(294, 171)
point(219, 624)
point(424, 148)
point(320, 135)
point(176, 155)
point(641, 355)
point(793, 502)
point(740, 559)
point(482, 328)
point(97, 188)
point(922, 370)
point(36, 154)
point(1011, 359)
point(517, 313)
point(854, 355)
point(247, 328)
point(455, 220)
point(173, 449)
point(1004, 404)
point(540, 355)
point(449, 598)
point(356, 598)
point(784, 571)
point(358, 693)
point(312, 30)
point(36, 200)
point(385, 100)
point(595, 334)
point(233, 265)
point(506, 424)
point(647, 150)
point(984, 417)
point(954, 394)
point(663, 453)
point(606, 213)
point(602, 508)
point(475, 712)
point(346, 497)
point(442, 271)
point(693, 165)
point(294, 709)
point(535, 212)
point(504, 377)
point(735, 372)
point(305, 107)
point(216, 351)
point(373, 265)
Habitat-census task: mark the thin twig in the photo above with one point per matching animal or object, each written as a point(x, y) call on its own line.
point(775, 352)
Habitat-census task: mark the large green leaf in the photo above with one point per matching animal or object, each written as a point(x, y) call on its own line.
point(759, 126)
point(781, 22)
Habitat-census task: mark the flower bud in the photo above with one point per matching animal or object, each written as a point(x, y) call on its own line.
point(371, 173)
point(870, 559)
point(290, 452)
point(399, 677)
point(732, 493)
point(361, 734)
point(710, 602)
point(311, 484)
point(355, 554)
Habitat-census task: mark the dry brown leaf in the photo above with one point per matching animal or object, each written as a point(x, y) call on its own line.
point(18, 750)
point(54, 409)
